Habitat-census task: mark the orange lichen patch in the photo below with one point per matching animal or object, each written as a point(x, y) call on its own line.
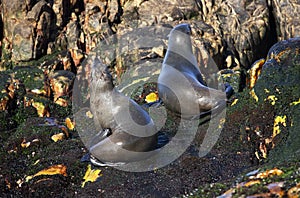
point(69, 124)
point(42, 110)
point(254, 72)
point(294, 192)
point(52, 170)
point(3, 103)
point(251, 183)
point(65, 130)
point(57, 137)
point(26, 144)
point(276, 189)
point(91, 175)
point(268, 173)
point(277, 121)
point(151, 97)
point(62, 102)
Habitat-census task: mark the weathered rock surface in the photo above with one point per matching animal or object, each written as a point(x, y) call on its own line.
point(278, 85)
point(234, 33)
point(27, 29)
point(286, 18)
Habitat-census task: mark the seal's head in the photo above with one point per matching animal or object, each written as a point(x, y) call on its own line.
point(100, 76)
point(179, 37)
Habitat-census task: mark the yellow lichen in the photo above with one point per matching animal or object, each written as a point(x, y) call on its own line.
point(272, 98)
point(252, 93)
point(295, 102)
point(278, 120)
point(234, 102)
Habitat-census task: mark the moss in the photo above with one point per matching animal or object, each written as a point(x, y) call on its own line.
point(247, 191)
point(60, 111)
point(38, 62)
point(22, 113)
point(32, 77)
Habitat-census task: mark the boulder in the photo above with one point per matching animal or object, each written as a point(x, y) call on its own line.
point(28, 28)
point(278, 85)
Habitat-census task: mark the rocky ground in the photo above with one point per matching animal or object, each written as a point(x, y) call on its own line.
point(46, 49)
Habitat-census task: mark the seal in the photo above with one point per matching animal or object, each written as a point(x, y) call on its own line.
point(126, 132)
point(180, 83)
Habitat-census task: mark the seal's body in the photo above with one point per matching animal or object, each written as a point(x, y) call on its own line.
point(126, 131)
point(180, 83)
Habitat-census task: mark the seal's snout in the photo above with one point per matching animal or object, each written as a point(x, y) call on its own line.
point(184, 28)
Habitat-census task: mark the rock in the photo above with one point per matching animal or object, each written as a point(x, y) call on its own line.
point(32, 78)
point(62, 10)
point(114, 11)
point(39, 103)
point(62, 61)
point(28, 28)
point(136, 13)
point(287, 18)
point(74, 33)
point(5, 95)
point(244, 26)
point(233, 77)
point(61, 83)
point(278, 85)
point(96, 24)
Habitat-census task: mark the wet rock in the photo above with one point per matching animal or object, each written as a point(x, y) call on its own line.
point(28, 28)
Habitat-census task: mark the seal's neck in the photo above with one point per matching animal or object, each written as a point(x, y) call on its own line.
point(180, 44)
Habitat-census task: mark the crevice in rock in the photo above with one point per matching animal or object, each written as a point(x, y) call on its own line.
point(273, 28)
point(1, 34)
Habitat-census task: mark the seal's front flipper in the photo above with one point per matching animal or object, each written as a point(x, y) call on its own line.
point(104, 133)
point(228, 90)
point(97, 162)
